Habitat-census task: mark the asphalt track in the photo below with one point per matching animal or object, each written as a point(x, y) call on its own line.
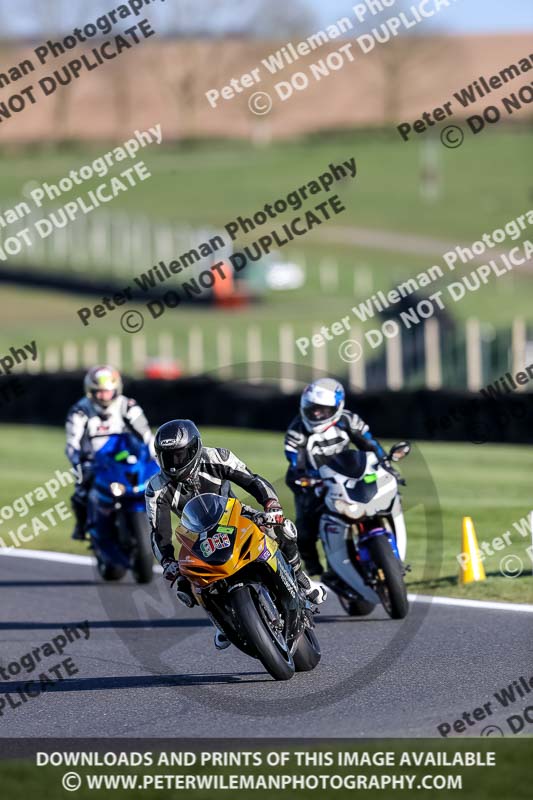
point(149, 668)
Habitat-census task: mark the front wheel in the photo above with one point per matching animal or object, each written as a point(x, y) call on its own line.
point(143, 561)
point(307, 654)
point(390, 584)
point(253, 626)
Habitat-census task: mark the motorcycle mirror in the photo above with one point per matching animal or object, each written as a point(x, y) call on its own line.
point(399, 451)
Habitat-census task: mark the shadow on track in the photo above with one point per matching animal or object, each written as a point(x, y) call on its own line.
point(105, 623)
point(136, 682)
point(334, 619)
point(33, 583)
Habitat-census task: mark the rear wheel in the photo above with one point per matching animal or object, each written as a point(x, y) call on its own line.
point(143, 562)
point(356, 608)
point(110, 572)
point(252, 623)
point(390, 584)
point(307, 653)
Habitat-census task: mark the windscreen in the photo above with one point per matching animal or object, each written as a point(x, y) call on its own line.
point(203, 512)
point(351, 463)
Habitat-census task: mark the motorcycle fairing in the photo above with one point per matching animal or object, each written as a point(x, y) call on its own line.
point(334, 532)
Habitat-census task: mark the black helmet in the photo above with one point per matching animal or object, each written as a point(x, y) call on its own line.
point(178, 447)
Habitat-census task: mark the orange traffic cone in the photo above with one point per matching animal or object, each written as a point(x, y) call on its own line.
point(471, 567)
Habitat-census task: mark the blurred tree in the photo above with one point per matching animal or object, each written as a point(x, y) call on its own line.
point(263, 19)
point(208, 62)
point(406, 61)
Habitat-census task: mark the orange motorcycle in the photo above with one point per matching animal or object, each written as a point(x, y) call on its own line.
point(242, 580)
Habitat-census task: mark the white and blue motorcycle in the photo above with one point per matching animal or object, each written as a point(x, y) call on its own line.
point(362, 529)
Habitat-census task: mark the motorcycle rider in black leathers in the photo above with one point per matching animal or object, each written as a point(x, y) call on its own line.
point(323, 428)
point(90, 422)
point(188, 469)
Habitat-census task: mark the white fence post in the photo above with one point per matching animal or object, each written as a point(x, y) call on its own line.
point(224, 359)
point(138, 352)
point(114, 352)
point(254, 354)
point(319, 363)
point(89, 355)
point(60, 244)
point(474, 367)
point(70, 356)
point(287, 380)
point(51, 359)
point(165, 347)
point(99, 240)
point(122, 245)
point(519, 348)
point(356, 366)
point(393, 349)
point(432, 354)
point(196, 351)
point(329, 276)
point(363, 283)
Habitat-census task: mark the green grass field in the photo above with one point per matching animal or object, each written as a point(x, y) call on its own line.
point(445, 482)
point(483, 183)
point(211, 183)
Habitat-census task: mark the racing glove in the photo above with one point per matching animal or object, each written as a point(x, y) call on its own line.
point(273, 513)
point(171, 572)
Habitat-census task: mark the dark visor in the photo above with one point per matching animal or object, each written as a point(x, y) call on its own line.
point(317, 412)
point(178, 459)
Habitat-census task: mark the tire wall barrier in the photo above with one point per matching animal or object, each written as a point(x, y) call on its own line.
point(432, 415)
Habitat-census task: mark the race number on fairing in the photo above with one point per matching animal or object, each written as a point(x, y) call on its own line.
point(217, 542)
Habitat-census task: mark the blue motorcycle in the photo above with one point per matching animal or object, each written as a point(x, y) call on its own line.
point(117, 521)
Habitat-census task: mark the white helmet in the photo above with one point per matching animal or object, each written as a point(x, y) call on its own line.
point(321, 404)
point(102, 385)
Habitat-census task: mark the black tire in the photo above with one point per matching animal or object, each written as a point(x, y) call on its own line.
point(391, 588)
point(356, 608)
point(144, 560)
point(307, 653)
point(110, 572)
point(257, 633)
